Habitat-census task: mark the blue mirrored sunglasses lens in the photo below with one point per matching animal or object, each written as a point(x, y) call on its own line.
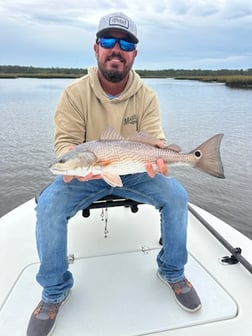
point(109, 43)
point(127, 46)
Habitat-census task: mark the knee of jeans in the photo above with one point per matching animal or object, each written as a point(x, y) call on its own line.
point(179, 193)
point(48, 205)
point(44, 208)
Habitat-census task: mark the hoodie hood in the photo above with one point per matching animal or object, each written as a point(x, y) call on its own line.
point(134, 84)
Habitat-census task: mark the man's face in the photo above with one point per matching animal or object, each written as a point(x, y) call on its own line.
point(115, 63)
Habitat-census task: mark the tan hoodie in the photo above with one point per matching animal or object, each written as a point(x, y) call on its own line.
point(84, 110)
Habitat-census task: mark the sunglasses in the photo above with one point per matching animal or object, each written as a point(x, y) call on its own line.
point(110, 42)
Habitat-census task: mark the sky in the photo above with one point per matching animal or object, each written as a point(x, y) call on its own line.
point(173, 34)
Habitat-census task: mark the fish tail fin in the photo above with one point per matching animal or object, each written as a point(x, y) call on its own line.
point(207, 156)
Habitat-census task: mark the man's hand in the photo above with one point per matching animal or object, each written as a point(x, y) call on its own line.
point(162, 168)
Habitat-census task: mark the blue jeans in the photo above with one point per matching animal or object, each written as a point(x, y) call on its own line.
point(61, 201)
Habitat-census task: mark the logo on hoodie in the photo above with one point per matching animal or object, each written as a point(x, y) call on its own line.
point(130, 120)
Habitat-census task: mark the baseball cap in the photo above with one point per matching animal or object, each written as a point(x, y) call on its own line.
point(118, 21)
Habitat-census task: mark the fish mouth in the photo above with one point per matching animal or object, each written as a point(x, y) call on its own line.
point(57, 171)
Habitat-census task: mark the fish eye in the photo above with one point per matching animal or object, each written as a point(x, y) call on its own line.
point(62, 160)
point(198, 154)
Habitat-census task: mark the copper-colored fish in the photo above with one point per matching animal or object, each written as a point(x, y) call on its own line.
point(112, 156)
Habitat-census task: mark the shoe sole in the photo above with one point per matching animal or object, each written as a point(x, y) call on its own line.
point(178, 302)
point(62, 305)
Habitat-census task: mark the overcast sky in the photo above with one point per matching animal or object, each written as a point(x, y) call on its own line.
point(178, 34)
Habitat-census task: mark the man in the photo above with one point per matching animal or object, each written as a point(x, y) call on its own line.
point(111, 94)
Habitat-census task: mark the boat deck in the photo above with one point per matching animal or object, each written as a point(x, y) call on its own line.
point(116, 291)
point(118, 295)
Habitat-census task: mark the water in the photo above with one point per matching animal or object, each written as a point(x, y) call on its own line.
point(191, 112)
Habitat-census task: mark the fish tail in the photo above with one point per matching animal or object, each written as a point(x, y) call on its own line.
point(207, 157)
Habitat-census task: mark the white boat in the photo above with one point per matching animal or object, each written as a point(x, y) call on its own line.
point(116, 291)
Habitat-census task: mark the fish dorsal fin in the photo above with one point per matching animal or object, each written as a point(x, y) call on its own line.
point(145, 138)
point(173, 148)
point(110, 133)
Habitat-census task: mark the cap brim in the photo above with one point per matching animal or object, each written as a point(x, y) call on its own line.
point(106, 30)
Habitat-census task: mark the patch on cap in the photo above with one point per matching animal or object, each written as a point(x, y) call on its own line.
point(119, 21)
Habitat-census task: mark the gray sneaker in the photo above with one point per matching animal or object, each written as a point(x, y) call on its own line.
point(185, 294)
point(42, 321)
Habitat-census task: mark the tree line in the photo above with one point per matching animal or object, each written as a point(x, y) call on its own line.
point(238, 78)
point(17, 69)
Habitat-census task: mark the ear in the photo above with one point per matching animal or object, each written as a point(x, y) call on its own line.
point(96, 48)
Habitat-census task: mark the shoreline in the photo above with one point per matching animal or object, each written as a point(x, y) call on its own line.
point(232, 78)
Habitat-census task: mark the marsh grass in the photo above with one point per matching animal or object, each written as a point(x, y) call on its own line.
point(238, 81)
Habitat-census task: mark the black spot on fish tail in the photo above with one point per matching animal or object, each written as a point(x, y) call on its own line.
point(208, 158)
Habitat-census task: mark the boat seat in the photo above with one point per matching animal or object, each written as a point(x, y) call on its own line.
point(111, 201)
point(105, 202)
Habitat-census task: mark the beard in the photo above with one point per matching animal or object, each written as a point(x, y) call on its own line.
point(114, 75)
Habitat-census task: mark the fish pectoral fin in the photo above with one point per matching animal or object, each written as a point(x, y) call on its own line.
point(113, 180)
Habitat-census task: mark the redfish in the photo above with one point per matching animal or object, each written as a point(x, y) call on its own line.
point(112, 156)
